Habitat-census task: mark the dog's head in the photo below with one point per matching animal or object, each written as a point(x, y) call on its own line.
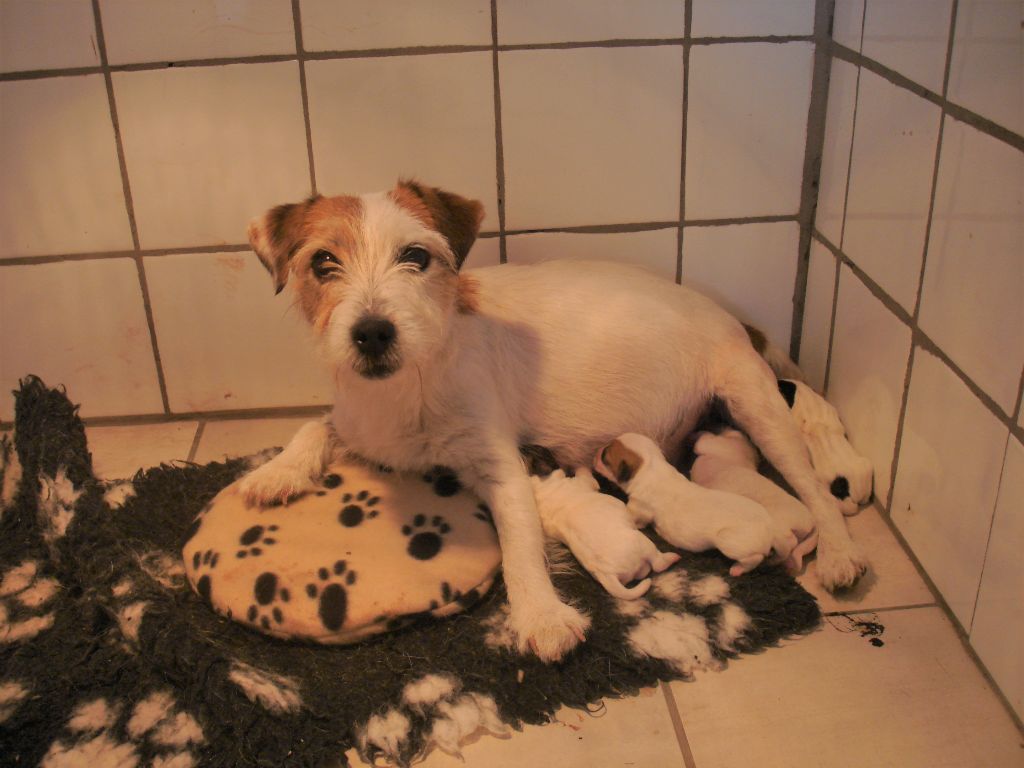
point(377, 276)
point(730, 445)
point(624, 457)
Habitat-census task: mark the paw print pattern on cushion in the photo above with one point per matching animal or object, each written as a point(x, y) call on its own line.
point(444, 480)
point(205, 561)
point(357, 508)
point(253, 537)
point(266, 590)
point(425, 545)
point(332, 598)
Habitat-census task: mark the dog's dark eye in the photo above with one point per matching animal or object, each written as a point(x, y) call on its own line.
point(324, 263)
point(417, 255)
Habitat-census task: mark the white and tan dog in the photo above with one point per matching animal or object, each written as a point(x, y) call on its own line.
point(685, 514)
point(435, 366)
point(599, 531)
point(728, 462)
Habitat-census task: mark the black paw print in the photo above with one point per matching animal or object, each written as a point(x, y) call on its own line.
point(332, 597)
point(444, 480)
point(357, 508)
point(266, 592)
point(424, 545)
point(205, 561)
point(252, 536)
point(483, 512)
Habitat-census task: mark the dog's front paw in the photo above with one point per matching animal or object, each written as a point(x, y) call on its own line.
point(550, 630)
point(840, 563)
point(274, 483)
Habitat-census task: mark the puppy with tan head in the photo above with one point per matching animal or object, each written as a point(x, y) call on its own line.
point(685, 514)
point(433, 365)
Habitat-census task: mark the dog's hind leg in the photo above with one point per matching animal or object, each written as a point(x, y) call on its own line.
point(748, 387)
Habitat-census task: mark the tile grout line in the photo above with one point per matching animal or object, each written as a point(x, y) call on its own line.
point(687, 29)
point(677, 723)
point(194, 448)
point(300, 54)
point(988, 539)
point(915, 316)
point(140, 268)
point(499, 147)
point(276, 412)
point(1020, 397)
point(846, 199)
point(813, 150)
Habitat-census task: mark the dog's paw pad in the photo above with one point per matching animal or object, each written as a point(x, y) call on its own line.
point(426, 544)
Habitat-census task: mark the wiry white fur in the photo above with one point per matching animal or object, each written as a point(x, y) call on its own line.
point(460, 719)
point(832, 456)
point(95, 715)
point(118, 493)
point(122, 587)
point(428, 690)
point(498, 634)
point(632, 608)
point(728, 462)
point(183, 759)
point(732, 625)
point(129, 619)
point(12, 693)
point(387, 732)
point(599, 531)
point(57, 498)
point(682, 641)
point(16, 631)
point(101, 751)
point(10, 468)
point(167, 571)
point(278, 693)
point(148, 712)
point(549, 358)
point(689, 516)
point(709, 590)
point(19, 577)
point(178, 731)
point(40, 593)
point(671, 585)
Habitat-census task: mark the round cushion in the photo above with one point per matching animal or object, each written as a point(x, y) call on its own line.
point(367, 551)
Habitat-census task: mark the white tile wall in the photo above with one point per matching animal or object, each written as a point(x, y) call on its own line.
point(746, 129)
point(817, 323)
point(345, 25)
point(486, 252)
point(847, 23)
point(430, 117)
point(974, 274)
point(54, 34)
point(546, 21)
point(890, 185)
point(749, 269)
point(591, 136)
point(835, 161)
point(61, 190)
point(870, 349)
point(986, 74)
point(999, 618)
point(208, 148)
point(736, 18)
point(226, 341)
point(655, 250)
point(910, 36)
point(81, 324)
point(951, 457)
point(176, 30)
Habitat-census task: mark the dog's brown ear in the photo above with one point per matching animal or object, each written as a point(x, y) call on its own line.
point(621, 460)
point(276, 235)
point(455, 217)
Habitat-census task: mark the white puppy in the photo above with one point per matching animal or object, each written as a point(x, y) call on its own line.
point(599, 531)
point(728, 462)
point(685, 514)
point(432, 365)
point(847, 474)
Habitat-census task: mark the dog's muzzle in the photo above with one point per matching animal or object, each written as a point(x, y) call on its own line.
point(374, 337)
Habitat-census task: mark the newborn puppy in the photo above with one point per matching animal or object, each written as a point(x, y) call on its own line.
point(599, 531)
point(685, 514)
point(728, 462)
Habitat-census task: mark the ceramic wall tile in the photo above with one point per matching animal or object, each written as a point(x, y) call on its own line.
point(555, 21)
point(909, 36)
point(655, 250)
point(817, 325)
point(739, 18)
point(835, 161)
point(55, 34)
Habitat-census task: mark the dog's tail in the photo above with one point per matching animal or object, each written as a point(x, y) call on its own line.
point(779, 361)
point(616, 588)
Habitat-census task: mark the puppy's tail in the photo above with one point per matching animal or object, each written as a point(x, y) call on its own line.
point(779, 361)
point(615, 587)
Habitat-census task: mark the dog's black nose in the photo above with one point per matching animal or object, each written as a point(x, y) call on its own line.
point(373, 336)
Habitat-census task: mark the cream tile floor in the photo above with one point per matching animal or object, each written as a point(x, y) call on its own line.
point(829, 700)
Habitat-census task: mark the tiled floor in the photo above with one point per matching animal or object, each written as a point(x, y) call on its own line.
point(829, 700)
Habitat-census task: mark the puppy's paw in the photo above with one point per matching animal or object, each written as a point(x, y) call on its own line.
point(274, 483)
point(840, 563)
point(550, 630)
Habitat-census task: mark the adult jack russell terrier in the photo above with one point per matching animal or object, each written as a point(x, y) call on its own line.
point(435, 366)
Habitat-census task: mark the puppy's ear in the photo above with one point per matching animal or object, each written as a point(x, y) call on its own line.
point(540, 461)
point(276, 235)
point(455, 217)
point(623, 462)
